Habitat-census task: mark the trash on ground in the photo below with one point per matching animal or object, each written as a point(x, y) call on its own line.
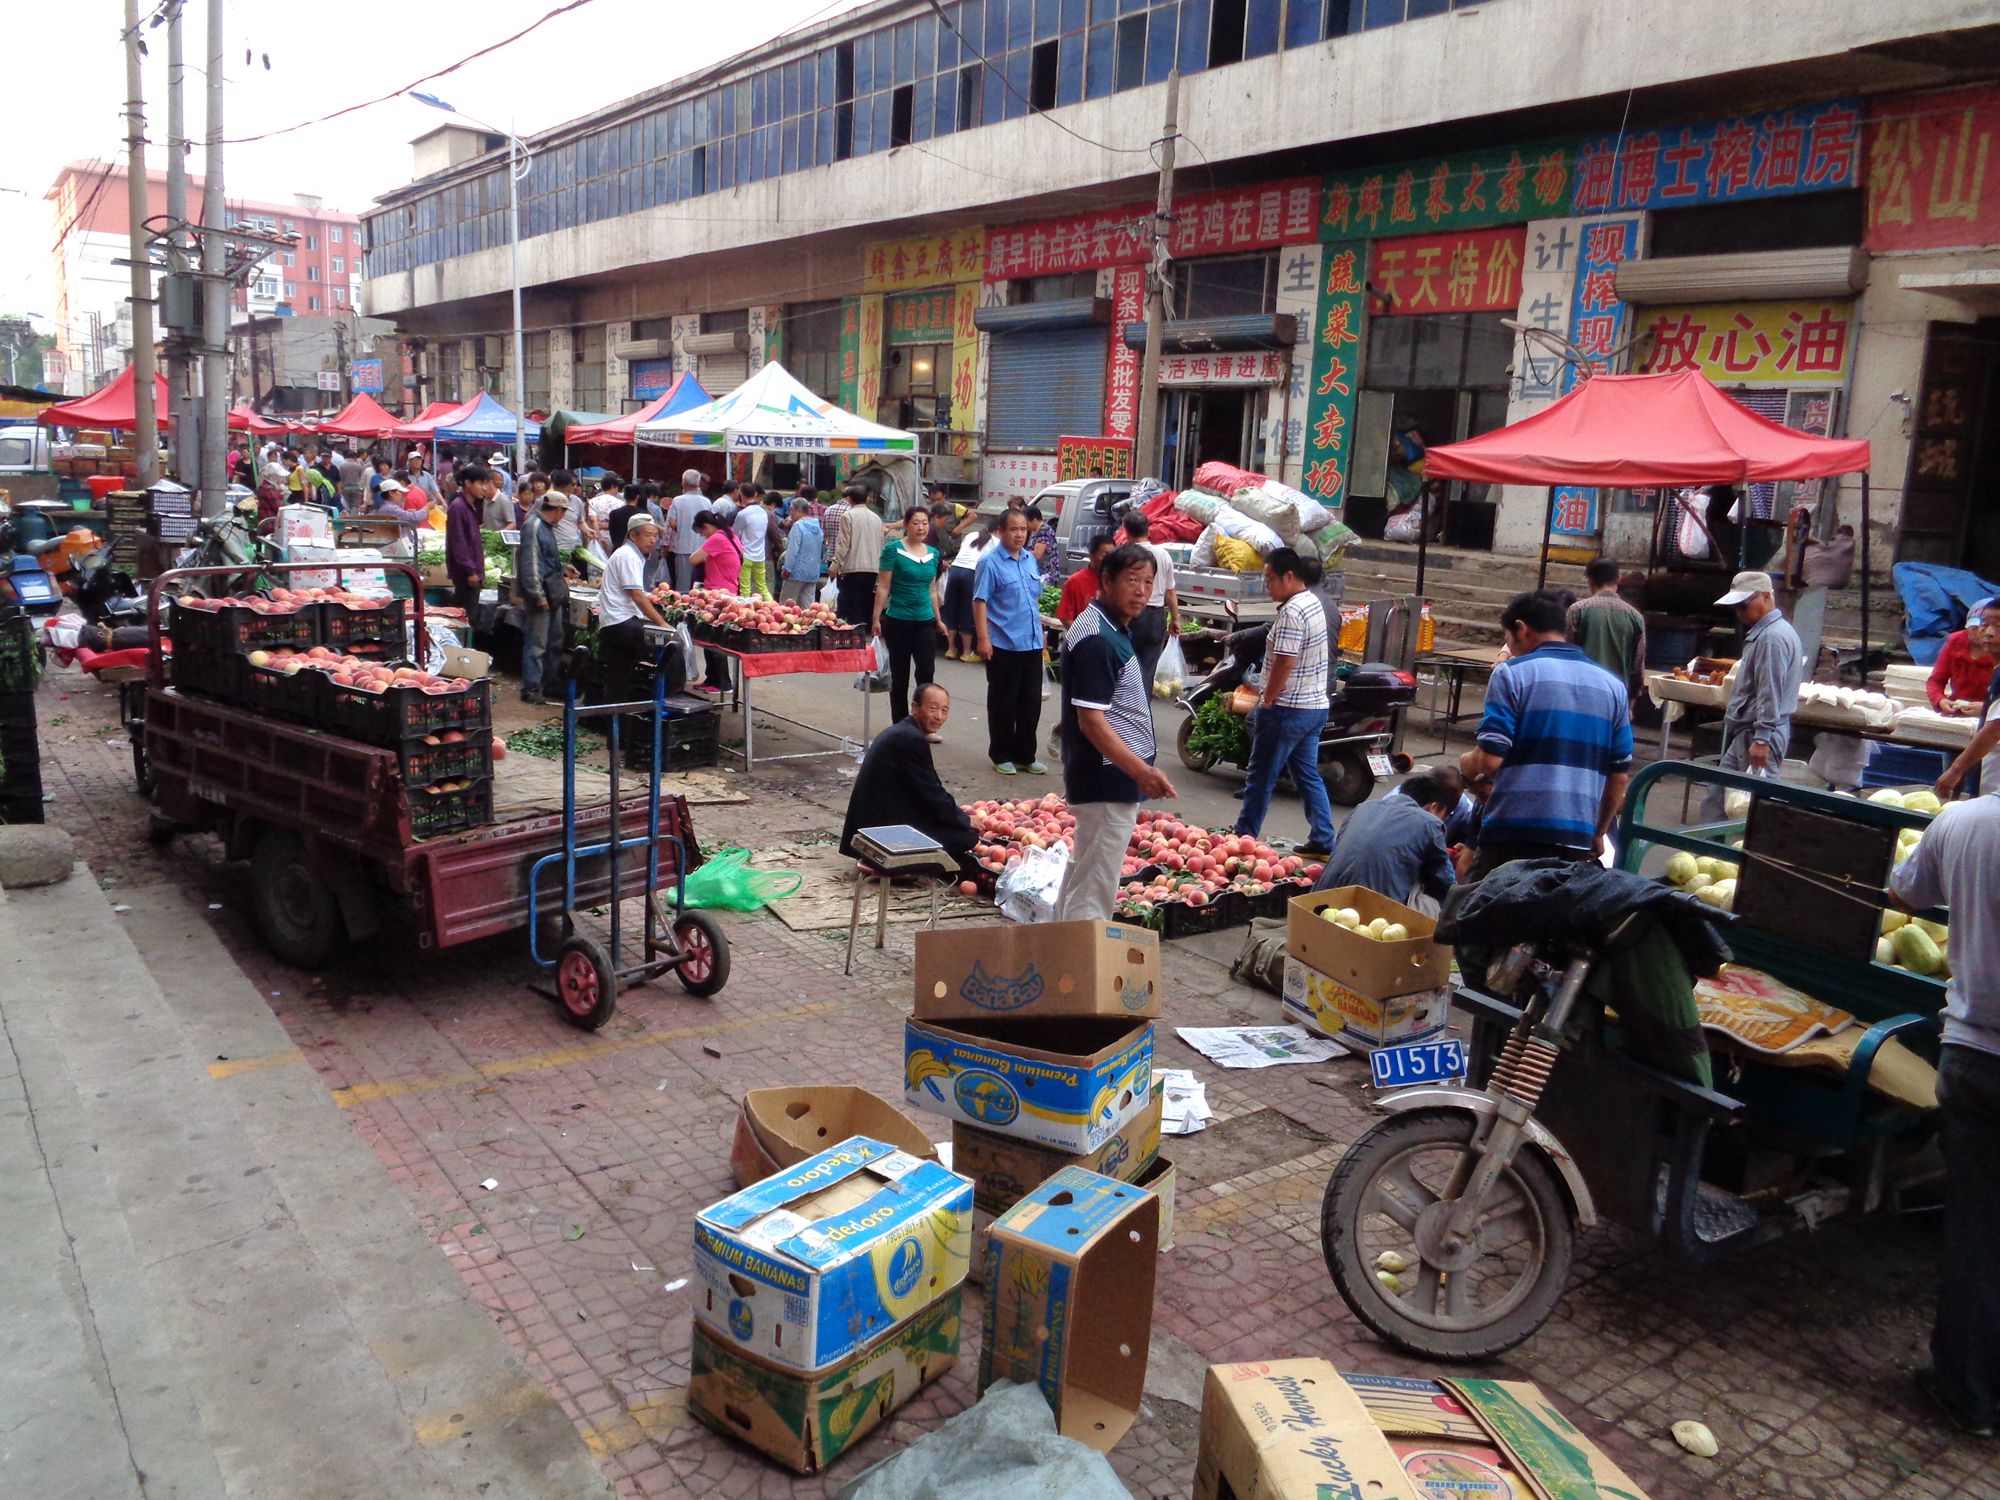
point(675, 1285)
point(1258, 1046)
point(1004, 1447)
point(1697, 1439)
point(490, 1184)
point(1186, 1098)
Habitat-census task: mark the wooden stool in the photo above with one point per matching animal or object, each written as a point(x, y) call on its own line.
point(883, 879)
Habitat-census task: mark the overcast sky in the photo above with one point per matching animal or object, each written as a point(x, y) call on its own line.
point(66, 88)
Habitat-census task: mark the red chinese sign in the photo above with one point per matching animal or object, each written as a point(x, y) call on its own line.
point(1478, 271)
point(1267, 368)
point(1121, 388)
point(1927, 156)
point(1220, 223)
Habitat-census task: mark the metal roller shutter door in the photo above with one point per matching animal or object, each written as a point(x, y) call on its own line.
point(720, 374)
point(1044, 385)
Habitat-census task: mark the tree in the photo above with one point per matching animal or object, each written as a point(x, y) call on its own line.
point(21, 350)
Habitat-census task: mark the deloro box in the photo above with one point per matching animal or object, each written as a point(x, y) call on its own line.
point(1068, 1083)
point(1330, 1008)
point(806, 1267)
point(1069, 1300)
point(1378, 970)
point(1046, 969)
point(806, 1420)
point(1161, 1179)
point(781, 1127)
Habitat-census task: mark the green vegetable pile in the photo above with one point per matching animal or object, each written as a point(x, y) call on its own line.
point(430, 557)
point(1219, 732)
point(1051, 597)
point(498, 553)
point(543, 740)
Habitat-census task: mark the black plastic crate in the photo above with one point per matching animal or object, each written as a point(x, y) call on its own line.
point(397, 714)
point(1179, 920)
point(363, 632)
point(760, 643)
point(434, 813)
point(425, 763)
point(298, 696)
point(686, 741)
point(839, 637)
point(236, 628)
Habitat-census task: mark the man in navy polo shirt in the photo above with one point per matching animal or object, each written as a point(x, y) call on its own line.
point(1555, 745)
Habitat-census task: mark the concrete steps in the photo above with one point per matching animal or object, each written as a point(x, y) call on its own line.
point(215, 1290)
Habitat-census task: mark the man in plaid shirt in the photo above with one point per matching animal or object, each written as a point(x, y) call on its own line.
point(1285, 727)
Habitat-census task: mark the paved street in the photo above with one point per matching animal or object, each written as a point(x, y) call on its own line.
point(604, 1145)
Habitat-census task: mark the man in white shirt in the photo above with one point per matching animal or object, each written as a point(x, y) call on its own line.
point(1161, 617)
point(681, 535)
point(753, 533)
point(624, 609)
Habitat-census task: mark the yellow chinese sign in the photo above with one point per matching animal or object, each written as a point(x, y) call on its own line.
point(925, 260)
point(1753, 343)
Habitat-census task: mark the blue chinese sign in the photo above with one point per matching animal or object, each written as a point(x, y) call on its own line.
point(1599, 321)
point(365, 375)
point(651, 378)
point(1810, 150)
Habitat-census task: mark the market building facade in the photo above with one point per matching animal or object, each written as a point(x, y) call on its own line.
point(942, 220)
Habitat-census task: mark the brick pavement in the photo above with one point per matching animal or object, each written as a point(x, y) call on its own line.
point(1797, 1355)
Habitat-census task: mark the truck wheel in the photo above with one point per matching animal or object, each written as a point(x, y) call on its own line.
point(704, 965)
point(1348, 779)
point(586, 988)
point(1192, 759)
point(296, 910)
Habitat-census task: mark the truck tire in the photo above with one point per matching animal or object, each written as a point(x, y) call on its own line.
point(296, 910)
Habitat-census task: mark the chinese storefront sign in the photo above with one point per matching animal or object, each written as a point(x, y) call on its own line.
point(1336, 355)
point(365, 375)
point(1939, 493)
point(1598, 325)
point(1548, 287)
point(1755, 343)
point(651, 378)
point(1926, 177)
point(1470, 191)
point(1221, 223)
point(1005, 475)
point(1810, 150)
point(1285, 413)
point(926, 260)
point(1478, 271)
point(1264, 368)
point(869, 390)
point(850, 353)
point(1093, 458)
point(1121, 386)
point(964, 372)
point(921, 317)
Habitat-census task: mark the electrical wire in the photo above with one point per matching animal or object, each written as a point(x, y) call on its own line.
point(1001, 74)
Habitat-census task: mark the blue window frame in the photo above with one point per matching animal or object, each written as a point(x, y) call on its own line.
point(1098, 57)
point(1131, 71)
point(1421, 8)
point(1194, 36)
point(1160, 44)
point(1048, 19)
point(992, 96)
point(1069, 70)
point(1382, 13)
point(996, 29)
point(1020, 74)
point(1261, 27)
point(920, 110)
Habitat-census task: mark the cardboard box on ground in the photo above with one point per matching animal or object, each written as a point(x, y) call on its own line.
point(779, 1128)
point(1038, 971)
point(1297, 1429)
point(1362, 992)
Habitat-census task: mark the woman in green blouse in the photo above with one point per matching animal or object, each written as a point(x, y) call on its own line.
point(906, 590)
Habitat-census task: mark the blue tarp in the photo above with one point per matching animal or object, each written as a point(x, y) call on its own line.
point(1935, 601)
point(487, 422)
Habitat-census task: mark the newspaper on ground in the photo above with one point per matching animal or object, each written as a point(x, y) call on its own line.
point(1258, 1046)
point(1186, 1102)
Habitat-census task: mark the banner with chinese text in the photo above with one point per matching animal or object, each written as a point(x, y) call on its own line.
point(925, 260)
point(1548, 290)
point(963, 418)
point(1218, 223)
point(1266, 367)
point(1336, 356)
point(850, 353)
point(1285, 416)
point(1600, 321)
point(1121, 385)
point(1093, 458)
point(1754, 343)
point(1002, 476)
point(1476, 271)
point(1814, 149)
point(921, 317)
point(1927, 160)
point(1471, 190)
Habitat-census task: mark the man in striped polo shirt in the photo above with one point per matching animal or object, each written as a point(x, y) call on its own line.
point(1554, 746)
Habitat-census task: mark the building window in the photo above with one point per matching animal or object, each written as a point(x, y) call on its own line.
point(811, 341)
point(291, 227)
point(1226, 287)
point(312, 304)
point(333, 233)
point(312, 242)
point(312, 273)
point(291, 291)
point(286, 257)
point(340, 296)
point(1064, 288)
point(535, 370)
point(339, 266)
point(588, 390)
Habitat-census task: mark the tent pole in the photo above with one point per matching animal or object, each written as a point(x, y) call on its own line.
point(1548, 529)
point(1864, 577)
point(1423, 546)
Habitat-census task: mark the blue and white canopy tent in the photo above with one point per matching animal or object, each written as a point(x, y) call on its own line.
point(772, 413)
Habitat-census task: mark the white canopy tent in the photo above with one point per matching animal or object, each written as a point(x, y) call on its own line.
point(772, 413)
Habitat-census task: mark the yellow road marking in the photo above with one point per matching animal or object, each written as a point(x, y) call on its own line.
point(647, 1418)
point(232, 1066)
point(558, 1057)
point(447, 1423)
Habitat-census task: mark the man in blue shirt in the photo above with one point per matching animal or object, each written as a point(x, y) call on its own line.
point(1007, 624)
point(805, 557)
point(1555, 745)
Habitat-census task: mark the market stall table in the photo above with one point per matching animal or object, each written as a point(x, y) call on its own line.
point(1453, 664)
point(749, 666)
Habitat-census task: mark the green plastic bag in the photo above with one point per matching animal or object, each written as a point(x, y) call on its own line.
point(727, 882)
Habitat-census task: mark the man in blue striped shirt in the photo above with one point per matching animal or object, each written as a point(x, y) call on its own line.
point(1555, 744)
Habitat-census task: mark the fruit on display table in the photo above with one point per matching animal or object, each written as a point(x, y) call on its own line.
point(368, 675)
point(721, 611)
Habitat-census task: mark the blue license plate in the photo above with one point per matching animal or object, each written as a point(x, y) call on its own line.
point(1418, 1062)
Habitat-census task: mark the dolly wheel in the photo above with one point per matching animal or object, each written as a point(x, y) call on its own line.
point(704, 963)
point(586, 989)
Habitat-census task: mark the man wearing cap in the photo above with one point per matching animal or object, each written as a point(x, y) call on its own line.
point(419, 480)
point(624, 609)
point(1757, 724)
point(544, 591)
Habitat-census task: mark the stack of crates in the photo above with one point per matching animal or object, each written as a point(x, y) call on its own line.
point(20, 750)
point(443, 744)
point(690, 736)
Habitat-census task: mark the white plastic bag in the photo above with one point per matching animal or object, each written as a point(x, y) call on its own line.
point(691, 665)
point(829, 593)
point(1170, 676)
point(1312, 515)
point(1027, 891)
point(1203, 555)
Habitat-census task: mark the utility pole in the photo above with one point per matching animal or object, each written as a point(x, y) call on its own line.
point(1147, 451)
point(180, 356)
point(214, 291)
point(144, 418)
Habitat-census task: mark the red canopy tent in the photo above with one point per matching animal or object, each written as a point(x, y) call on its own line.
point(1632, 431)
point(243, 419)
point(110, 407)
point(363, 417)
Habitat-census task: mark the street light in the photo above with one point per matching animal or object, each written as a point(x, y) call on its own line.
point(517, 168)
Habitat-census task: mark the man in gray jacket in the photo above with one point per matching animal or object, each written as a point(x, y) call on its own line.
point(544, 590)
point(1757, 724)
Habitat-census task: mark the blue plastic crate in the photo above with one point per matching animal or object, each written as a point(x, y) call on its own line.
point(1903, 765)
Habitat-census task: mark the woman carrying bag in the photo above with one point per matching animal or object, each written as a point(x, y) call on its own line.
point(906, 621)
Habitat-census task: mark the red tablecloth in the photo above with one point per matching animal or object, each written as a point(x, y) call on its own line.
point(782, 663)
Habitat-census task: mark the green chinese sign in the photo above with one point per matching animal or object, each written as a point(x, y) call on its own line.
point(1474, 190)
point(920, 317)
point(1336, 357)
point(850, 352)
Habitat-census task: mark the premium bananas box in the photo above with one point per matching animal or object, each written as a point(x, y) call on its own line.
point(1004, 1169)
point(808, 1266)
point(1325, 1005)
point(807, 1420)
point(1068, 1083)
point(1069, 1300)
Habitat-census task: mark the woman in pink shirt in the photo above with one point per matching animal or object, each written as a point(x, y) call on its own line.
point(717, 564)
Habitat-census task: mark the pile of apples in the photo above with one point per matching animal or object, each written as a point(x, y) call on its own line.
point(358, 672)
point(1196, 865)
point(285, 601)
point(723, 611)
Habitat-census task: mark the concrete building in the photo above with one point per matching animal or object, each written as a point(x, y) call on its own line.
point(320, 273)
point(940, 220)
point(285, 366)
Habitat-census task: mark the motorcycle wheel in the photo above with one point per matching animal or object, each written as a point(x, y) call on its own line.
point(1349, 782)
point(1527, 1240)
point(1192, 759)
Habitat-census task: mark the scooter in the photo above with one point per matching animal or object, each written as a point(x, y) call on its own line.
point(1354, 745)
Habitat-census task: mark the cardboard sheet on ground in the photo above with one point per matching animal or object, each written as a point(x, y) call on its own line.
point(1258, 1046)
point(826, 899)
point(1759, 1017)
point(1003, 1448)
